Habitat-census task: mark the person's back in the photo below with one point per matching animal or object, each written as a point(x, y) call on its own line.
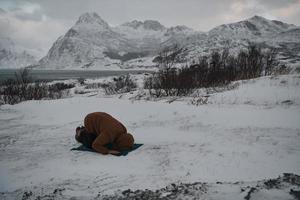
point(107, 130)
point(100, 122)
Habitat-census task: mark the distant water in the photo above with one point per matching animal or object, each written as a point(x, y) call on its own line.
point(49, 75)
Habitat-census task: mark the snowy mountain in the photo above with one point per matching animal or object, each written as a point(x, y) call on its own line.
point(84, 44)
point(12, 57)
point(254, 28)
point(145, 36)
point(236, 36)
point(92, 43)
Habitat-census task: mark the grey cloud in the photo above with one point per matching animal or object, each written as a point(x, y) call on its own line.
point(22, 10)
point(271, 4)
point(45, 20)
point(198, 14)
point(36, 16)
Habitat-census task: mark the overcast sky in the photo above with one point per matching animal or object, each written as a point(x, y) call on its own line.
point(36, 24)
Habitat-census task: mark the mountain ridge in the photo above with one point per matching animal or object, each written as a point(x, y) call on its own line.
point(136, 43)
point(91, 43)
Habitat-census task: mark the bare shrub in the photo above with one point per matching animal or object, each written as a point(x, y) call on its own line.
point(270, 61)
point(281, 70)
point(81, 81)
point(58, 90)
point(60, 86)
point(13, 92)
point(80, 91)
point(170, 55)
point(124, 84)
point(217, 70)
point(200, 100)
point(94, 85)
point(153, 84)
point(22, 88)
point(121, 84)
point(297, 69)
point(109, 88)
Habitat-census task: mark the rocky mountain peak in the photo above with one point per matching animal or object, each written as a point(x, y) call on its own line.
point(180, 28)
point(269, 25)
point(153, 25)
point(133, 24)
point(91, 18)
point(147, 25)
point(257, 18)
point(259, 21)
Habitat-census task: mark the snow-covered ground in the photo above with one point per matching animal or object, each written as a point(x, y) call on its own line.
point(244, 135)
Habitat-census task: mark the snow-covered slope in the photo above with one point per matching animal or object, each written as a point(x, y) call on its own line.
point(241, 136)
point(92, 43)
point(12, 57)
point(290, 35)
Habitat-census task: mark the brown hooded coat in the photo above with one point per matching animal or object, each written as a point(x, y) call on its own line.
point(108, 131)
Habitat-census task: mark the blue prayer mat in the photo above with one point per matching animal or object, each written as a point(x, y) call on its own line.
point(122, 153)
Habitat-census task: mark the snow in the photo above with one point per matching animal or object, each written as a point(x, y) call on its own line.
point(268, 91)
point(227, 140)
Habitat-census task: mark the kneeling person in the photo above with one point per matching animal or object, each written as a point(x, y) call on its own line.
point(102, 130)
